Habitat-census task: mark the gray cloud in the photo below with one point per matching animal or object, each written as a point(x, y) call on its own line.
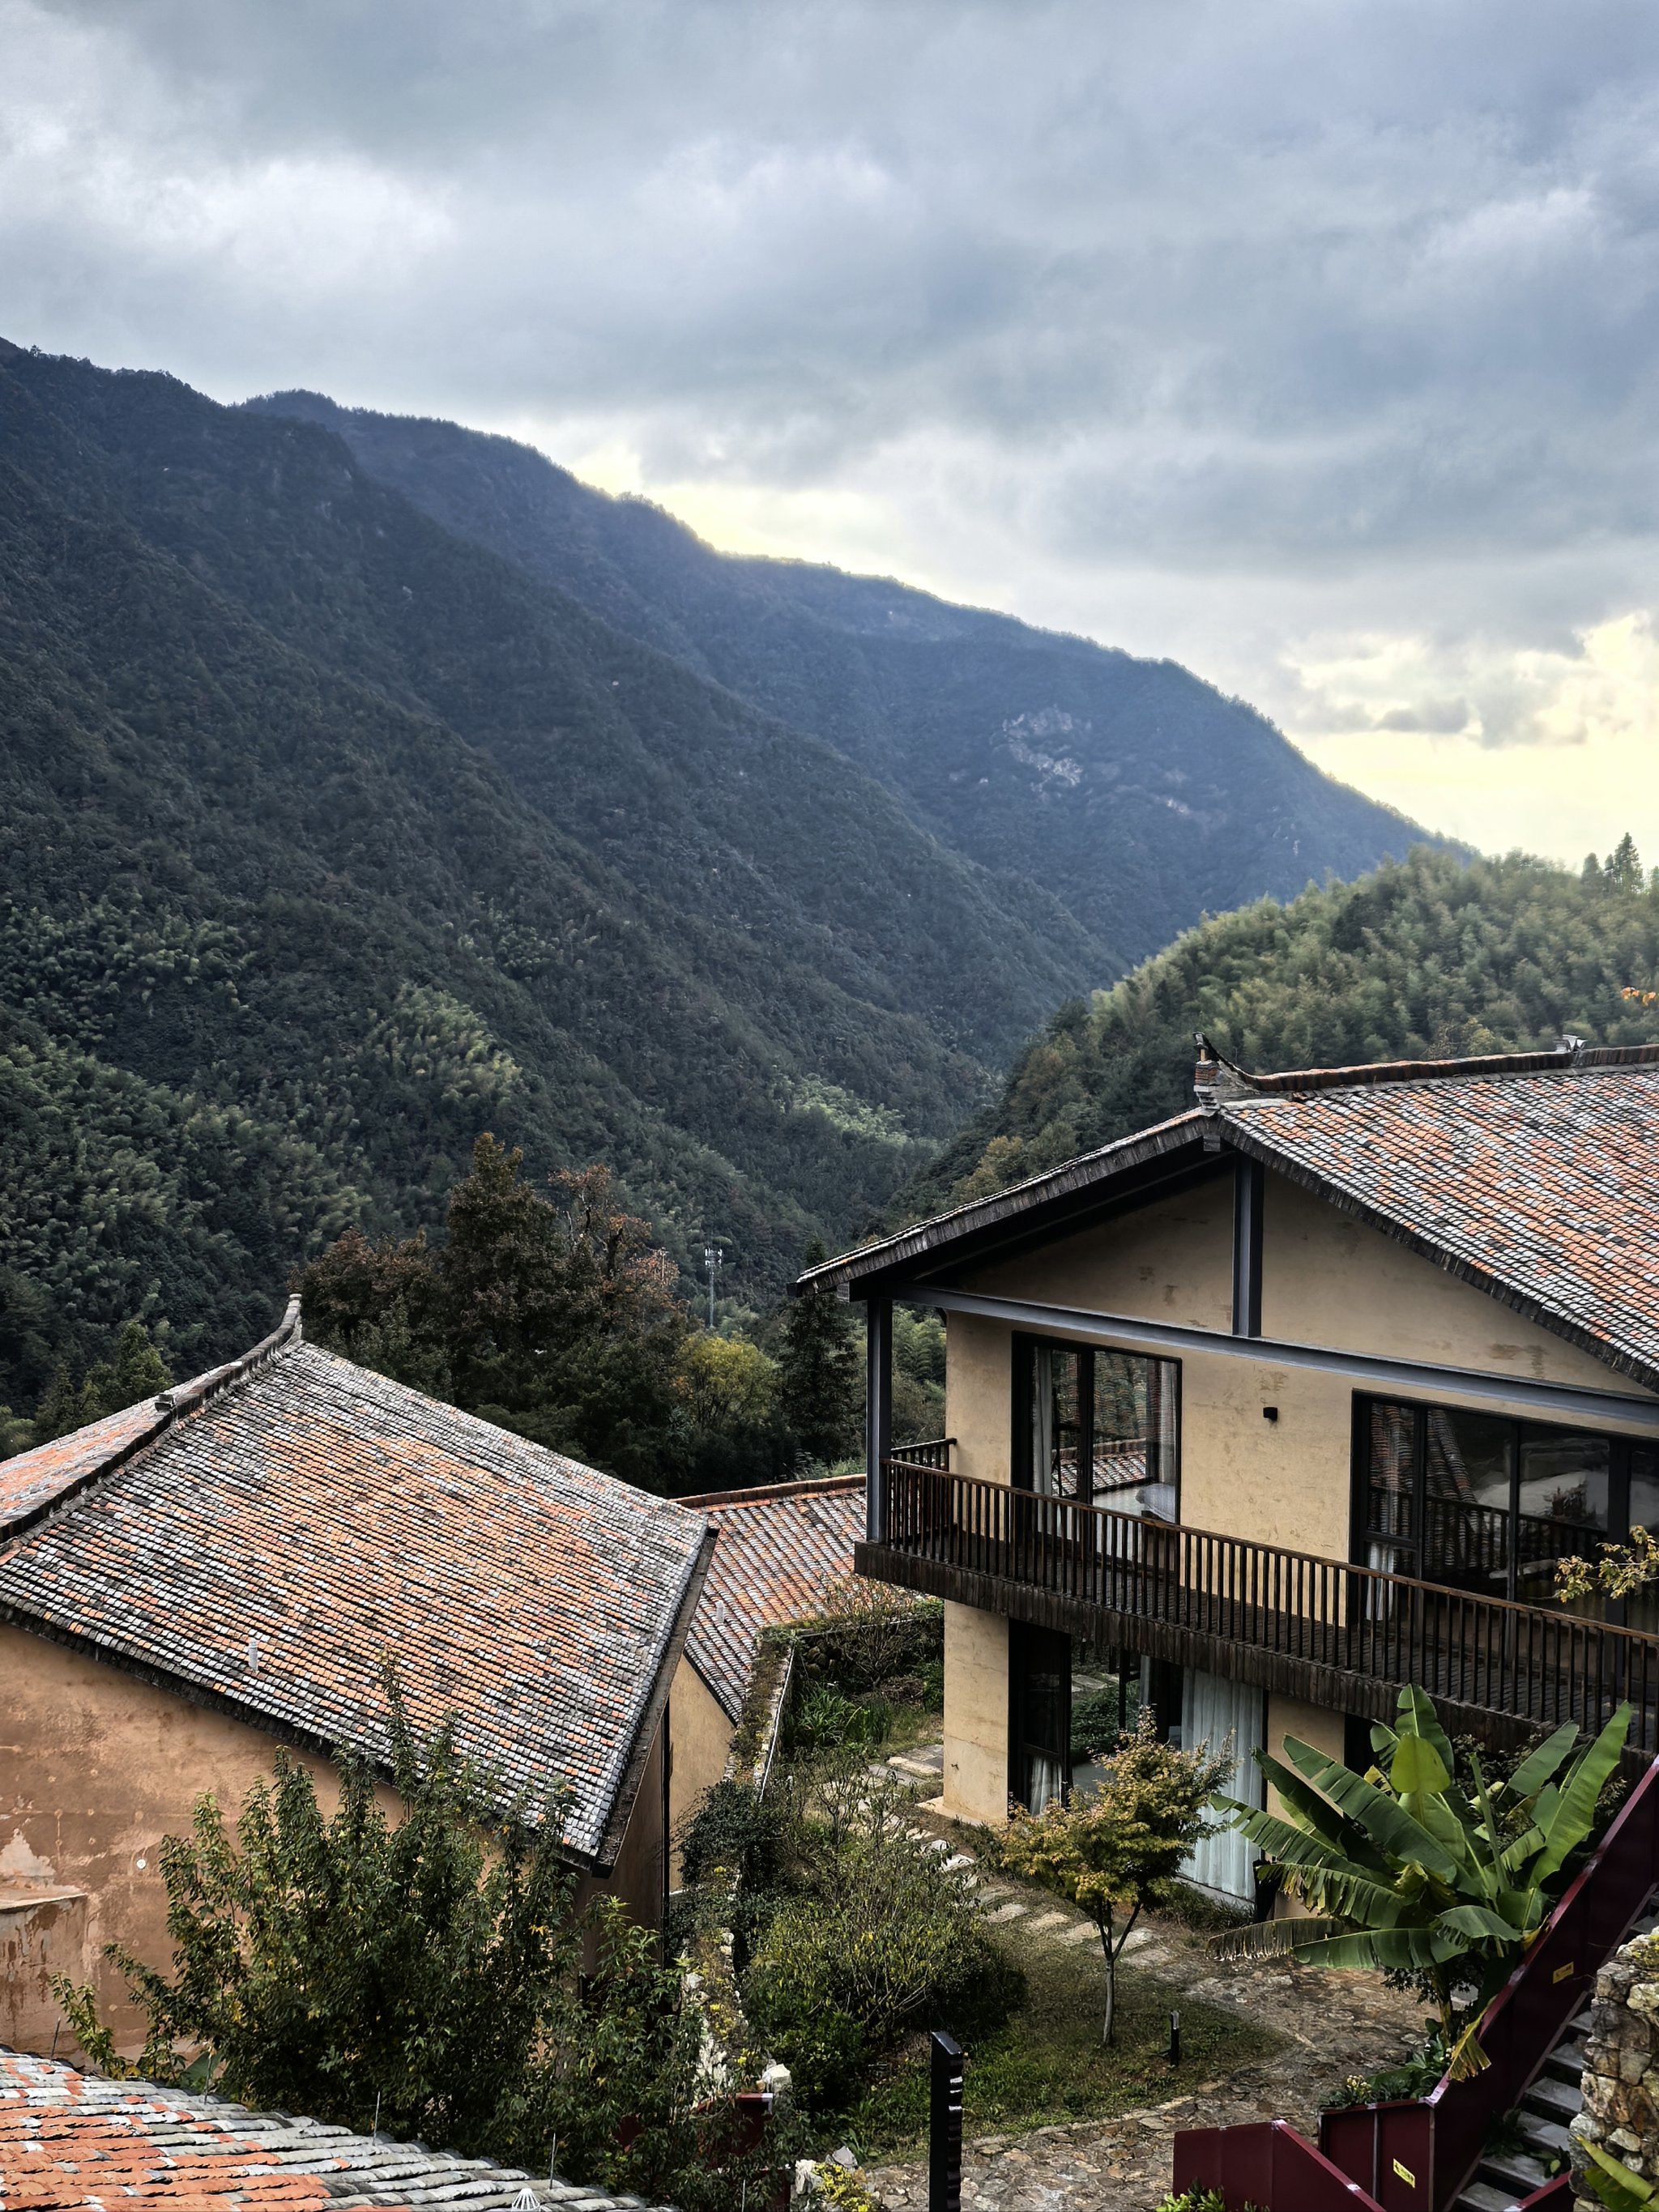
point(1325, 318)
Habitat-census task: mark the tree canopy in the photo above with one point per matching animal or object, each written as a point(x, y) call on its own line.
point(1427, 958)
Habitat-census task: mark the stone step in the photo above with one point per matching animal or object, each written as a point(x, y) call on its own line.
point(1014, 1912)
point(1482, 2196)
point(1047, 1920)
point(1514, 2170)
point(1084, 1932)
point(1540, 2134)
point(1556, 2100)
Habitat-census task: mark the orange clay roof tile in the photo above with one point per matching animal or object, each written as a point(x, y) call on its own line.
point(75, 2142)
point(1541, 1187)
point(778, 1549)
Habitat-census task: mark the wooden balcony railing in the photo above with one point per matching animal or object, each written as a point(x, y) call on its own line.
point(1535, 1665)
point(935, 1453)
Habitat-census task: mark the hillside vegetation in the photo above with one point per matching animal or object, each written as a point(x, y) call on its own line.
point(1128, 792)
point(1424, 960)
point(332, 837)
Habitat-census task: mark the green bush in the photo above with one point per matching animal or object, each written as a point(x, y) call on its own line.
point(825, 1718)
point(887, 1942)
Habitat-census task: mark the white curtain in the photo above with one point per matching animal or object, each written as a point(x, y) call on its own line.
point(1212, 1710)
point(1043, 1420)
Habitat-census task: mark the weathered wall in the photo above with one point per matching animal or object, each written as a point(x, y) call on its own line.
point(700, 1740)
point(1621, 2076)
point(95, 1768)
point(976, 1715)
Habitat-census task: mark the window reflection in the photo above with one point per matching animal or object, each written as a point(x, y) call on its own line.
point(1103, 1428)
point(1479, 1501)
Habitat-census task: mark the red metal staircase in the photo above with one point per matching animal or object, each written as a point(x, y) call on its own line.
point(1430, 2154)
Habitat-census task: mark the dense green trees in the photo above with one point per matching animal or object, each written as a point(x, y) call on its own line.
point(820, 1386)
point(1424, 958)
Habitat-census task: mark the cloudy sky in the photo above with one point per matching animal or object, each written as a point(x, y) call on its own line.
point(1311, 344)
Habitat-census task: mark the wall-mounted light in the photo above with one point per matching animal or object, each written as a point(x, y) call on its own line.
point(1270, 1413)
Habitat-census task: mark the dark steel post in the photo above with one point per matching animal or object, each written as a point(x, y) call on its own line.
point(877, 1412)
point(945, 2126)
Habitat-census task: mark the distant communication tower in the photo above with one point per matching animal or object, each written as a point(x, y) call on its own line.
point(713, 1259)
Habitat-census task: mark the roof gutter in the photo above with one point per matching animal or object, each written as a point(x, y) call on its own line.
point(1513, 1394)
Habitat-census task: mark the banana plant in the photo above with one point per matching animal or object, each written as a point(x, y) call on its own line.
point(1400, 1868)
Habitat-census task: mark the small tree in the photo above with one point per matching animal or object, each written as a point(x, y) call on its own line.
point(1118, 1847)
point(819, 1387)
point(1400, 1870)
point(135, 1370)
point(348, 1964)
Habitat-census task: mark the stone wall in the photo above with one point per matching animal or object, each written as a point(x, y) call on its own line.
point(1621, 2070)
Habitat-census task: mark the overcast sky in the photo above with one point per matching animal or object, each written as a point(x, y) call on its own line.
point(1310, 345)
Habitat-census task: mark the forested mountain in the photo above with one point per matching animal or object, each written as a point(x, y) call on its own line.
point(1138, 795)
point(1420, 960)
point(330, 836)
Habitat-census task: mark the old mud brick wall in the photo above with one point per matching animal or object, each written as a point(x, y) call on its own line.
point(1621, 2072)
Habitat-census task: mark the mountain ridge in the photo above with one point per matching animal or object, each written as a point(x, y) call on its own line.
point(1040, 754)
point(329, 837)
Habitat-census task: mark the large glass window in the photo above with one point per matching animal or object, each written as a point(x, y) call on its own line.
point(1486, 1504)
point(1100, 1426)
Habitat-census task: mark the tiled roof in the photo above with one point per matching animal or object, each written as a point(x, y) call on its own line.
point(34, 1479)
point(777, 1549)
point(76, 2141)
point(289, 1529)
point(1534, 1175)
point(1541, 1187)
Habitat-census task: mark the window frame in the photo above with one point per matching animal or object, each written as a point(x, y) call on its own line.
point(1362, 1535)
point(1021, 1473)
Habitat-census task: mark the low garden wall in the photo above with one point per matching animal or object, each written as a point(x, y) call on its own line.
point(1622, 2074)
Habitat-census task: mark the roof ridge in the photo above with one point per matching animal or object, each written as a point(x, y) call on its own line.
point(1218, 1081)
point(170, 1408)
point(828, 1485)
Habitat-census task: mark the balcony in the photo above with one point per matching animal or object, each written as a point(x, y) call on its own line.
point(1336, 1634)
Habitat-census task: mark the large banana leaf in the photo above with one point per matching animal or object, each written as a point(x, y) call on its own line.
point(1417, 1770)
point(1538, 1767)
point(1270, 1939)
point(1418, 1719)
point(1388, 1950)
point(1306, 1804)
point(1478, 1921)
point(1383, 1817)
point(1283, 1841)
point(1574, 1814)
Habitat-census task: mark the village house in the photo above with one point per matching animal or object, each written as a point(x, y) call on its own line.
point(781, 1548)
point(185, 1584)
point(1287, 1401)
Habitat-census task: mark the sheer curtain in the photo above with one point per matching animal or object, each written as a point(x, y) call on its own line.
point(1213, 1711)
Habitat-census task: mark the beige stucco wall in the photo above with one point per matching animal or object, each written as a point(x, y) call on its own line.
point(1326, 1281)
point(976, 1715)
point(95, 1768)
point(699, 1741)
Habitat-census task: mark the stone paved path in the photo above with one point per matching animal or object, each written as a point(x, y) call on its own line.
point(1335, 2025)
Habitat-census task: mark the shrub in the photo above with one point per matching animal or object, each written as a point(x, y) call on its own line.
point(885, 1942)
point(825, 1718)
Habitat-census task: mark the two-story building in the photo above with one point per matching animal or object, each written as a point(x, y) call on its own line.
point(1284, 1402)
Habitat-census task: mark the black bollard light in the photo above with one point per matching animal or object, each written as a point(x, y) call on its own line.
point(944, 2125)
point(1175, 2038)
